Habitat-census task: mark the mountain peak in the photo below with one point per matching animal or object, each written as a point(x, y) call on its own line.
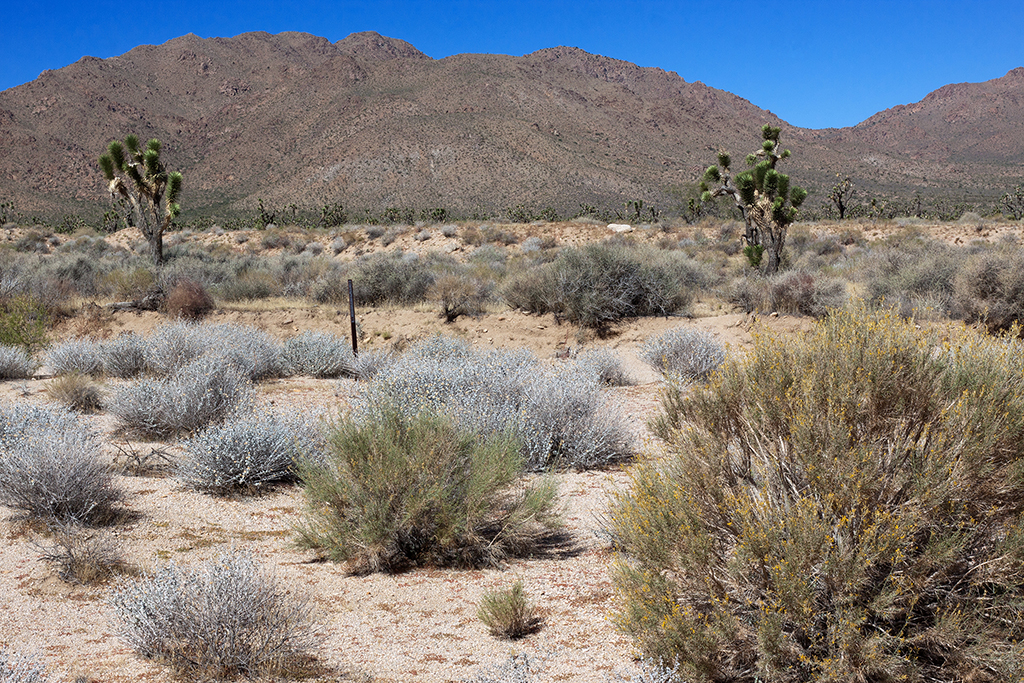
point(372, 46)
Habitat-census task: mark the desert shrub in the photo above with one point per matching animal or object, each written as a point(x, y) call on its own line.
point(319, 354)
point(520, 667)
point(24, 321)
point(205, 391)
point(900, 273)
point(83, 558)
point(509, 613)
point(398, 490)
point(684, 354)
point(251, 350)
point(225, 618)
point(50, 467)
point(990, 288)
point(77, 392)
point(188, 300)
point(793, 291)
point(76, 356)
point(248, 286)
point(369, 362)
point(247, 453)
point(254, 352)
point(125, 357)
point(15, 363)
point(559, 414)
point(396, 277)
point(806, 294)
point(460, 295)
point(174, 345)
point(127, 284)
point(16, 667)
point(606, 366)
point(601, 284)
point(841, 506)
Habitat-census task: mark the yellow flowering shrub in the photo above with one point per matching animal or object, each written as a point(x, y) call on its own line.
point(844, 506)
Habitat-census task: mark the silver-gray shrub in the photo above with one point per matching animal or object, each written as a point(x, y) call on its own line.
point(684, 354)
point(50, 467)
point(225, 618)
point(253, 351)
point(174, 345)
point(560, 415)
point(371, 361)
point(607, 366)
point(249, 452)
point(125, 357)
point(205, 391)
point(15, 363)
point(319, 354)
point(83, 356)
point(17, 667)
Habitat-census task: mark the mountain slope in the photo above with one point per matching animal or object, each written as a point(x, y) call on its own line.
point(371, 122)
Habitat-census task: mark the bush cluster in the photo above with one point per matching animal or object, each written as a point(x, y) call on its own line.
point(844, 506)
point(684, 354)
point(319, 354)
point(559, 414)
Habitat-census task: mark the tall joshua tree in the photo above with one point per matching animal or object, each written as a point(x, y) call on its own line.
point(138, 180)
point(763, 196)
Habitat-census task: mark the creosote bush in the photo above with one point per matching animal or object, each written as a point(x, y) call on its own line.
point(843, 506)
point(509, 613)
point(223, 619)
point(397, 491)
point(51, 468)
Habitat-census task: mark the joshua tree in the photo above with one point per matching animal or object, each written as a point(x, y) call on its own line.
point(140, 183)
point(840, 195)
point(1013, 203)
point(763, 196)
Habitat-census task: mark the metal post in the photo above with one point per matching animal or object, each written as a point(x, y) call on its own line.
point(352, 317)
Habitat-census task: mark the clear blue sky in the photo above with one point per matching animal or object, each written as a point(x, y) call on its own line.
point(815, 64)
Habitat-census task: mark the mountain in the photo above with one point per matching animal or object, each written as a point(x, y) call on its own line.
point(371, 122)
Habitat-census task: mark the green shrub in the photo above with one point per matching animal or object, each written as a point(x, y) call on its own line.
point(509, 613)
point(844, 506)
point(24, 321)
point(397, 491)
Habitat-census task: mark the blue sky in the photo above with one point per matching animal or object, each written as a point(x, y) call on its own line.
point(815, 64)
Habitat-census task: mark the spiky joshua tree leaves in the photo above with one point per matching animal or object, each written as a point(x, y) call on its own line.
point(763, 196)
point(138, 180)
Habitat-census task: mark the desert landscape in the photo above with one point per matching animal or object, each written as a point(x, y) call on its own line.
point(420, 624)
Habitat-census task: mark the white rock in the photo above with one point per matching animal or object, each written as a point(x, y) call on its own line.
point(620, 227)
